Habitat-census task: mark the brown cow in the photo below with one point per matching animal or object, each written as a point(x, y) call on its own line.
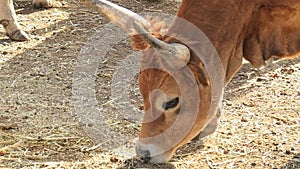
point(255, 30)
point(9, 20)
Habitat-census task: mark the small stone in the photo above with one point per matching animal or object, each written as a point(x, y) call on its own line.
point(260, 79)
point(228, 104)
point(226, 151)
point(244, 120)
point(114, 159)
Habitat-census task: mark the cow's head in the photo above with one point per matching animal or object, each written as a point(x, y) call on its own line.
point(172, 87)
point(173, 82)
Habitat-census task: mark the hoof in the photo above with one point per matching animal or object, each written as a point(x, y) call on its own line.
point(19, 36)
point(42, 4)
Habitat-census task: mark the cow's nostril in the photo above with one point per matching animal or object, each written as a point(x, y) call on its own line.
point(146, 159)
point(146, 155)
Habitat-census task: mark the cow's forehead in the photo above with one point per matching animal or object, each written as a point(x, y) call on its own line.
point(156, 79)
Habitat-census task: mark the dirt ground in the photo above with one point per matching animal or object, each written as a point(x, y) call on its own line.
point(39, 127)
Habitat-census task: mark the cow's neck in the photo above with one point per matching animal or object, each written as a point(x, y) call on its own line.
point(224, 26)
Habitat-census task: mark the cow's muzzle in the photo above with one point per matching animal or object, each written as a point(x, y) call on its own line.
point(144, 154)
point(152, 153)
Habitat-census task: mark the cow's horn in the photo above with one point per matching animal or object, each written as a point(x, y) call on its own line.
point(131, 22)
point(175, 54)
point(119, 15)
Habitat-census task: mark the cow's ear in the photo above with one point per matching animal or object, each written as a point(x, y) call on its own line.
point(156, 26)
point(200, 73)
point(138, 43)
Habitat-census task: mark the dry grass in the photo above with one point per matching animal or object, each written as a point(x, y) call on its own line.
point(38, 128)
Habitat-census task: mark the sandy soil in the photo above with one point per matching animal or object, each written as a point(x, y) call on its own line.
point(38, 123)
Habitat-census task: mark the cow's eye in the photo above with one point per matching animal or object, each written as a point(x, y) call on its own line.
point(171, 104)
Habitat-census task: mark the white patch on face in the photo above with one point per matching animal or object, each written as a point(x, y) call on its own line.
point(153, 149)
point(160, 158)
point(160, 99)
point(157, 154)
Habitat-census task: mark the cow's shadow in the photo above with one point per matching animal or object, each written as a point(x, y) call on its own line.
point(26, 7)
point(249, 77)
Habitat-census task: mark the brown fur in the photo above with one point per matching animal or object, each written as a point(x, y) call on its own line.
point(155, 29)
point(255, 30)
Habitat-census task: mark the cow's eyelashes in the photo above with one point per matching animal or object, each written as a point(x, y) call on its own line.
point(171, 104)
